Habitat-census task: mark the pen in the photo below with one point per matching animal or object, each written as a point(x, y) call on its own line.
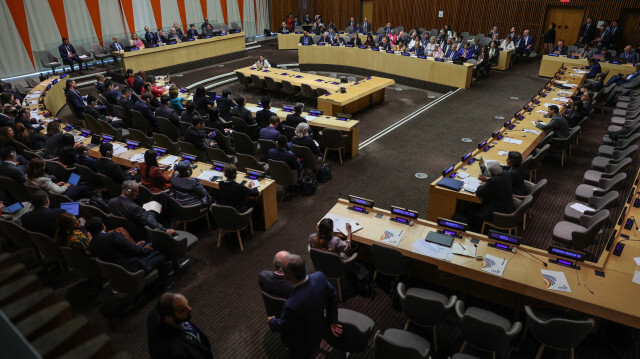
point(590, 291)
point(503, 260)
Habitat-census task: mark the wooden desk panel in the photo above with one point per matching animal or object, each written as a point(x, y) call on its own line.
point(267, 189)
point(429, 70)
point(550, 64)
point(358, 96)
point(291, 41)
point(504, 61)
point(443, 201)
point(186, 51)
point(52, 100)
point(614, 297)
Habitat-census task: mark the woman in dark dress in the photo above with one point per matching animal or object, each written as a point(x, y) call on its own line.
point(550, 38)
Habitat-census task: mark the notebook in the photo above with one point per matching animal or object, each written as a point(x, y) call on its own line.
point(74, 179)
point(450, 183)
point(439, 238)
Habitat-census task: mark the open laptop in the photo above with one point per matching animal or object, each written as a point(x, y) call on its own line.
point(74, 179)
point(71, 207)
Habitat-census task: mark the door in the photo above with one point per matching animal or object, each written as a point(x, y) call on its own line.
point(629, 24)
point(568, 21)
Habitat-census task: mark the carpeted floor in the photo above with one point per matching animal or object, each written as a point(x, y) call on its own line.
point(221, 284)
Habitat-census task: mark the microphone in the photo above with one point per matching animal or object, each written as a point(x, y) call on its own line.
point(532, 256)
point(635, 223)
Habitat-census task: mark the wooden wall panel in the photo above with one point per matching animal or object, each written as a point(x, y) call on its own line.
point(337, 11)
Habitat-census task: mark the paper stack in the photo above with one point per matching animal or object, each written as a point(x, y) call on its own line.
point(392, 236)
point(494, 265)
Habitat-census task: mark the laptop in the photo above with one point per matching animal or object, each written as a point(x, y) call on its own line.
point(13, 208)
point(71, 207)
point(74, 179)
point(439, 238)
point(450, 183)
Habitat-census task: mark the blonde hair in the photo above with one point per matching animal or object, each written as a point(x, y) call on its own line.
point(302, 130)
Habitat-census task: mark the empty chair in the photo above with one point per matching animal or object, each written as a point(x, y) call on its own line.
point(273, 305)
point(309, 160)
point(99, 53)
point(83, 264)
point(18, 236)
point(216, 154)
point(265, 146)
point(351, 79)
point(31, 82)
point(48, 60)
point(534, 190)
point(123, 114)
point(249, 161)
point(48, 248)
point(557, 333)
point(396, 343)
point(308, 93)
point(600, 162)
point(580, 235)
point(173, 148)
point(546, 140)
point(244, 144)
point(289, 132)
point(173, 248)
point(88, 211)
point(92, 123)
point(534, 161)
point(119, 134)
point(563, 145)
point(257, 83)
point(140, 122)
point(425, 308)
point(56, 199)
point(123, 281)
point(272, 86)
point(485, 330)
point(243, 80)
point(593, 177)
point(190, 148)
point(321, 91)
point(14, 189)
point(168, 129)
point(113, 187)
point(240, 125)
point(139, 136)
point(83, 52)
point(584, 191)
point(510, 221)
point(332, 265)
point(186, 214)
point(229, 220)
point(289, 89)
point(332, 139)
point(356, 331)
point(282, 174)
point(621, 144)
point(88, 176)
point(595, 202)
point(389, 261)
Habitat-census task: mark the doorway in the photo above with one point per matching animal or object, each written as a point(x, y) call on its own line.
point(568, 21)
point(629, 22)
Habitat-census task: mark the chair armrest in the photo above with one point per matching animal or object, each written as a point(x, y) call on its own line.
point(515, 329)
point(350, 259)
point(460, 309)
point(452, 301)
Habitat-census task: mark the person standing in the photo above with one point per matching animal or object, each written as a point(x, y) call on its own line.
point(303, 321)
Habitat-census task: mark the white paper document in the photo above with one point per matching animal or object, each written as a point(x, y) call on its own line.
point(494, 265)
point(636, 277)
point(560, 99)
point(152, 206)
point(83, 57)
point(580, 71)
point(512, 140)
point(552, 104)
point(535, 132)
point(432, 250)
point(555, 280)
point(571, 85)
point(253, 109)
point(562, 82)
point(466, 249)
point(540, 111)
point(169, 160)
point(581, 207)
point(575, 75)
point(503, 153)
point(256, 184)
point(207, 175)
point(340, 224)
point(637, 259)
point(392, 236)
point(565, 92)
point(541, 122)
point(118, 149)
point(471, 184)
point(138, 157)
point(310, 118)
point(462, 175)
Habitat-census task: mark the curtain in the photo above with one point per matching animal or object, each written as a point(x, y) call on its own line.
point(193, 12)
point(262, 10)
point(43, 31)
point(249, 18)
point(214, 12)
point(17, 59)
point(112, 20)
point(79, 24)
point(143, 16)
point(233, 13)
point(171, 14)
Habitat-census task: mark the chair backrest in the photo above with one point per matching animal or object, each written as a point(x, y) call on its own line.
point(559, 333)
point(389, 261)
point(387, 348)
point(113, 187)
point(168, 129)
point(122, 113)
point(328, 263)
point(257, 82)
point(48, 248)
point(535, 189)
point(424, 307)
point(614, 168)
point(190, 148)
point(183, 126)
point(243, 79)
point(591, 226)
point(14, 189)
point(606, 201)
point(229, 218)
point(244, 144)
point(282, 174)
point(57, 169)
point(240, 125)
point(546, 140)
point(97, 49)
point(56, 199)
point(288, 88)
point(88, 176)
point(265, 146)
point(480, 332)
point(289, 131)
point(508, 220)
point(216, 154)
point(82, 263)
point(321, 91)
point(248, 161)
point(92, 123)
point(620, 154)
point(608, 184)
point(309, 159)
point(308, 92)
point(134, 229)
point(47, 59)
point(16, 234)
point(82, 51)
point(332, 138)
point(120, 279)
point(87, 211)
point(271, 84)
point(170, 247)
point(161, 140)
point(140, 122)
point(139, 136)
point(106, 128)
point(273, 305)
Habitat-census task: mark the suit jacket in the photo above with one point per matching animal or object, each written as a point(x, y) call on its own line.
point(192, 33)
point(138, 82)
point(293, 120)
point(125, 207)
point(587, 32)
point(285, 156)
point(168, 113)
point(168, 342)
point(244, 114)
point(114, 46)
point(308, 142)
point(125, 103)
point(42, 220)
point(559, 125)
point(615, 35)
point(303, 322)
point(461, 55)
point(63, 51)
point(496, 195)
point(95, 113)
point(12, 171)
point(366, 27)
point(75, 100)
point(202, 104)
point(518, 176)
point(308, 38)
point(594, 70)
point(111, 169)
point(112, 96)
point(225, 105)
point(263, 116)
point(86, 161)
point(526, 41)
point(419, 51)
point(196, 137)
point(324, 40)
point(562, 51)
point(631, 56)
point(151, 37)
point(269, 133)
point(234, 194)
point(275, 284)
point(112, 247)
point(145, 110)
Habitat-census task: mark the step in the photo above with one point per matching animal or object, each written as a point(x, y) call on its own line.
point(12, 273)
point(7, 260)
point(62, 339)
point(45, 320)
point(19, 310)
point(98, 347)
point(19, 288)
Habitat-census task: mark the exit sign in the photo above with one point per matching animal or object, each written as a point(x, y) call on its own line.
point(564, 1)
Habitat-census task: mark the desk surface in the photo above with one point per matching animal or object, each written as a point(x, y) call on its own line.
point(550, 65)
point(500, 148)
point(40, 101)
point(290, 41)
point(614, 297)
point(429, 70)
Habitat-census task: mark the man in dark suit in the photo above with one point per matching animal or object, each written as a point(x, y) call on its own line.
point(192, 32)
point(273, 282)
point(92, 110)
point(306, 39)
point(138, 82)
point(83, 158)
point(9, 167)
point(351, 22)
point(74, 98)
point(263, 116)
point(558, 123)
point(295, 118)
point(283, 29)
point(234, 194)
point(282, 154)
point(112, 247)
point(178, 30)
point(144, 107)
point(366, 26)
point(271, 132)
point(167, 111)
point(303, 322)
point(561, 48)
point(124, 206)
point(385, 45)
point(115, 45)
point(593, 67)
point(517, 174)
point(107, 167)
point(242, 112)
point(125, 100)
point(149, 36)
point(417, 49)
point(614, 33)
point(525, 46)
point(194, 134)
point(170, 332)
point(42, 219)
point(387, 29)
point(496, 195)
point(587, 31)
point(604, 38)
point(69, 55)
point(111, 94)
point(225, 104)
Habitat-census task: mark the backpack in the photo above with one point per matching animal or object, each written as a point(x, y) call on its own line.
point(99, 203)
point(324, 173)
point(308, 186)
point(362, 280)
